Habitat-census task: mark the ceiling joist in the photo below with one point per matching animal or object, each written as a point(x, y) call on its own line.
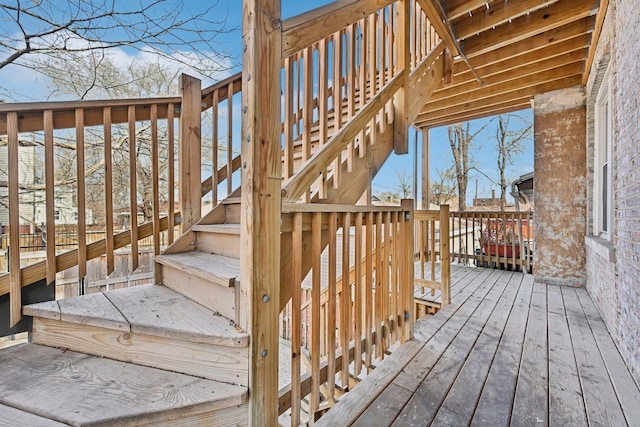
point(517, 48)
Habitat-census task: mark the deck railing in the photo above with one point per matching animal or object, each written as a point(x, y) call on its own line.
point(358, 298)
point(493, 239)
point(429, 251)
point(112, 165)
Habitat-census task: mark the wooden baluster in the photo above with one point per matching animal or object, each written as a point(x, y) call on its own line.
point(316, 257)
point(337, 102)
point(108, 189)
point(331, 324)
point(394, 295)
point(15, 281)
point(307, 111)
point(133, 185)
point(50, 202)
point(230, 138)
point(323, 106)
point(386, 314)
point(296, 321)
point(362, 81)
point(215, 181)
point(288, 117)
point(379, 295)
point(170, 172)
point(373, 77)
point(81, 200)
point(368, 321)
point(352, 90)
point(155, 179)
point(408, 273)
point(382, 69)
point(358, 300)
point(345, 299)
point(445, 261)
point(433, 251)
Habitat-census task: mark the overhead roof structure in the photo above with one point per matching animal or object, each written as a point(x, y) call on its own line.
point(507, 51)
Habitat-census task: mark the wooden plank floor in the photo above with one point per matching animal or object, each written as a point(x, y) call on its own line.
point(507, 351)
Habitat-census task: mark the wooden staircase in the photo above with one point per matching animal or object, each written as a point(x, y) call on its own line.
point(150, 354)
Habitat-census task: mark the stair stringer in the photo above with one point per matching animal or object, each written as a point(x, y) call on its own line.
point(363, 170)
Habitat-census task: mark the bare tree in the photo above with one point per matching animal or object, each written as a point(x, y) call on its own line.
point(510, 139)
point(444, 188)
point(36, 34)
point(460, 139)
point(404, 184)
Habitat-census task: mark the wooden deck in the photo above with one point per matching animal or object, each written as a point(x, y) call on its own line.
point(507, 351)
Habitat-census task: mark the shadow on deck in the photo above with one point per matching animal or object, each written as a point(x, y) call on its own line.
point(506, 351)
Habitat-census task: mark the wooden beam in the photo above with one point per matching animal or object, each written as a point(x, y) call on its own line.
point(602, 12)
point(458, 8)
point(463, 90)
point(445, 99)
point(579, 28)
point(434, 118)
point(295, 186)
point(441, 25)
point(490, 110)
point(555, 16)
point(261, 199)
point(303, 30)
point(403, 58)
point(423, 81)
point(523, 58)
point(497, 14)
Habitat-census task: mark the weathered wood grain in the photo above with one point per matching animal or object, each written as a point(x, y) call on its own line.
point(12, 417)
point(90, 390)
point(530, 405)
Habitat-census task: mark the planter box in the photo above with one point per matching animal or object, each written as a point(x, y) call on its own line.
point(502, 249)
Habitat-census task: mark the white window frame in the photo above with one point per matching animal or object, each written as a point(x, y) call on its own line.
point(602, 167)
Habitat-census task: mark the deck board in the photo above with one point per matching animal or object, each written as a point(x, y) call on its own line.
point(507, 351)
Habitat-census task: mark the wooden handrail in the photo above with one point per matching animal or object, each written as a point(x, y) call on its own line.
point(37, 271)
point(305, 29)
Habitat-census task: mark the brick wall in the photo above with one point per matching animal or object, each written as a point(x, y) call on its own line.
point(626, 87)
point(560, 183)
point(613, 267)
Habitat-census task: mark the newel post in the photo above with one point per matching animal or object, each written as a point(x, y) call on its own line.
point(261, 202)
point(445, 259)
point(409, 273)
point(189, 151)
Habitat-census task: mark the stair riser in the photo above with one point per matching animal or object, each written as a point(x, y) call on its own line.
point(215, 362)
point(233, 213)
point(226, 417)
point(217, 298)
point(219, 243)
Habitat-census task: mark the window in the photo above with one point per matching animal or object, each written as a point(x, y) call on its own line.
point(603, 194)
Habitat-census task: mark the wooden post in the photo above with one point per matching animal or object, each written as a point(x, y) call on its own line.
point(189, 151)
point(426, 180)
point(401, 119)
point(261, 202)
point(445, 261)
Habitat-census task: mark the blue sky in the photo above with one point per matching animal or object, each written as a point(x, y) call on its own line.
point(31, 87)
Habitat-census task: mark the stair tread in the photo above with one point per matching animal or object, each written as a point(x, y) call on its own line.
point(147, 309)
point(90, 389)
point(15, 417)
point(218, 228)
point(216, 268)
